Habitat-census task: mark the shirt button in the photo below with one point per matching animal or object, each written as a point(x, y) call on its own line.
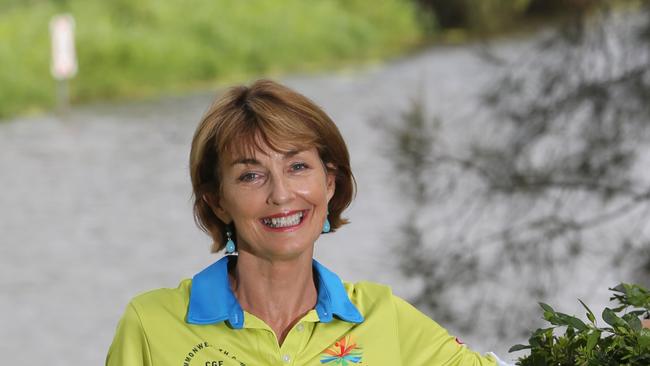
point(286, 358)
point(300, 327)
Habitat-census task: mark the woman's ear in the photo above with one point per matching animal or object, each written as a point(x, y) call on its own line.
point(330, 173)
point(216, 207)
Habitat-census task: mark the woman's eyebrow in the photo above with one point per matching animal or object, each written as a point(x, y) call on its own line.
point(252, 161)
point(291, 153)
point(245, 161)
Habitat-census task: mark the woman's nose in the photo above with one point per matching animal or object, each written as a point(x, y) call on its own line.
point(281, 192)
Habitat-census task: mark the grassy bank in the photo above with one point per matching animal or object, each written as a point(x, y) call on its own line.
point(130, 49)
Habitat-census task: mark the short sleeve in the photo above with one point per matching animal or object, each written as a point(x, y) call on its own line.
point(425, 342)
point(130, 346)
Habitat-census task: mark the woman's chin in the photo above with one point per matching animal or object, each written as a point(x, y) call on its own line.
point(282, 250)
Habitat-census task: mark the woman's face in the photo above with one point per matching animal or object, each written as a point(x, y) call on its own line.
point(277, 201)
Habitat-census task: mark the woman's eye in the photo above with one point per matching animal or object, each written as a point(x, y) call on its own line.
point(298, 166)
point(248, 177)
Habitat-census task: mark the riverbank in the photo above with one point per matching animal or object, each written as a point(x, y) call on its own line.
point(128, 50)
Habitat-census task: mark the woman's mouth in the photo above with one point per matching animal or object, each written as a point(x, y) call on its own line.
point(284, 221)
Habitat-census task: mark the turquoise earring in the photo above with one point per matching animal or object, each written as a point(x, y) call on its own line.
point(230, 244)
point(326, 225)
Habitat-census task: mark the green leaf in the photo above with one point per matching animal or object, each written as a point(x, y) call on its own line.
point(590, 314)
point(637, 312)
point(574, 322)
point(518, 347)
point(645, 332)
point(547, 307)
point(633, 321)
point(611, 318)
point(534, 342)
point(593, 340)
point(618, 309)
point(577, 323)
point(619, 288)
point(644, 341)
point(638, 296)
point(550, 317)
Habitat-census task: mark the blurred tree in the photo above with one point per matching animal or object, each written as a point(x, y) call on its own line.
point(573, 118)
point(476, 15)
point(550, 7)
point(448, 13)
point(493, 15)
point(554, 173)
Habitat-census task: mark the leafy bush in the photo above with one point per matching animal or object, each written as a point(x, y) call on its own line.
point(622, 342)
point(475, 14)
point(132, 48)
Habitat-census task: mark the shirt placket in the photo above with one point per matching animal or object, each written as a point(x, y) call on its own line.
point(297, 339)
point(293, 344)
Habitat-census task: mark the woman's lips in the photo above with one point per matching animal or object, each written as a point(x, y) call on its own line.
point(283, 214)
point(286, 221)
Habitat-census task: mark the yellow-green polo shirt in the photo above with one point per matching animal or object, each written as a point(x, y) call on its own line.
point(200, 323)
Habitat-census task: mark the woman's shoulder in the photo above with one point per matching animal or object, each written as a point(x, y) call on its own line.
point(368, 288)
point(375, 296)
point(163, 299)
point(367, 293)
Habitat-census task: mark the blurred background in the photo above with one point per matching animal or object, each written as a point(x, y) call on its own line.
point(500, 149)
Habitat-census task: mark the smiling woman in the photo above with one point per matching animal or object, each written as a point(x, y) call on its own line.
point(270, 173)
point(251, 135)
point(277, 202)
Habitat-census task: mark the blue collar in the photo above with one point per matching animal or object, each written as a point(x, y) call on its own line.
point(212, 300)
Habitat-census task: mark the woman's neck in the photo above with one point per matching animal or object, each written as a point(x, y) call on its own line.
point(278, 292)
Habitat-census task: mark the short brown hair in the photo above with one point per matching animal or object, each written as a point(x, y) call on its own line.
point(270, 113)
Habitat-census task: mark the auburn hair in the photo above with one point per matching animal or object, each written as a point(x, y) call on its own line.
point(243, 119)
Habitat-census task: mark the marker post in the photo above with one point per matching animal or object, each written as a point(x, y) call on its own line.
point(64, 58)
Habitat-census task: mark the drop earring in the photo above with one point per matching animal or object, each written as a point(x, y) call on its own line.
point(230, 244)
point(326, 224)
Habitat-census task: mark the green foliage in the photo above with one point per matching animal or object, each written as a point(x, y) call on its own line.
point(622, 341)
point(476, 15)
point(24, 60)
point(491, 15)
point(132, 48)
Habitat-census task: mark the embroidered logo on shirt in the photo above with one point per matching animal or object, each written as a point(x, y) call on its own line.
point(207, 354)
point(343, 352)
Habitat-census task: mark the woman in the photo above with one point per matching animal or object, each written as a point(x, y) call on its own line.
point(270, 173)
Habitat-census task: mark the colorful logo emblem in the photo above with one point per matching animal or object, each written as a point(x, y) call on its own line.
point(344, 352)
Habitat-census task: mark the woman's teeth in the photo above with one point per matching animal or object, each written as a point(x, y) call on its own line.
point(286, 221)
